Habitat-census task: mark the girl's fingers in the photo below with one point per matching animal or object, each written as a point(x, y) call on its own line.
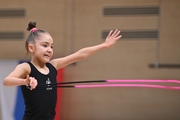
point(27, 77)
point(115, 33)
point(110, 33)
point(33, 83)
point(119, 37)
point(30, 83)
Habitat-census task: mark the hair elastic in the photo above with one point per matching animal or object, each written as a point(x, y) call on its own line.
point(33, 30)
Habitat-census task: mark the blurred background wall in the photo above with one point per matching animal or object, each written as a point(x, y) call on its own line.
point(150, 30)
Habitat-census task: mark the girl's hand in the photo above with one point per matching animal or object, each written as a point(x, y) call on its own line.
point(112, 38)
point(31, 81)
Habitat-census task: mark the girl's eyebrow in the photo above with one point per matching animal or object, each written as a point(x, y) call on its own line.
point(47, 43)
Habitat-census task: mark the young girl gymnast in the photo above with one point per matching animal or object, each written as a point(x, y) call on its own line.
point(40, 102)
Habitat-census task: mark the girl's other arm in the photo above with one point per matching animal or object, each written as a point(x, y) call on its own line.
point(88, 51)
point(20, 76)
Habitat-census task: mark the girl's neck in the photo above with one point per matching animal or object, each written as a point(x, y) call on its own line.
point(41, 67)
point(38, 64)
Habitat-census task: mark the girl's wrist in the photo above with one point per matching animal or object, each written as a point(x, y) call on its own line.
point(25, 82)
point(104, 45)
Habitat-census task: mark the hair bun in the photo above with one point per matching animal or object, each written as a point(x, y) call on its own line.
point(31, 25)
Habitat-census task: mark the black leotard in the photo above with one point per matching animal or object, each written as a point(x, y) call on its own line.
point(41, 102)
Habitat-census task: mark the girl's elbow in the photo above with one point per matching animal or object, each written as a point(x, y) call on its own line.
point(80, 56)
point(5, 82)
point(83, 56)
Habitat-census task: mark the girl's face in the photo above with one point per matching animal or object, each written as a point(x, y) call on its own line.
point(43, 48)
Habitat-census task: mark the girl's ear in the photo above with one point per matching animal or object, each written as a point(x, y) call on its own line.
point(31, 48)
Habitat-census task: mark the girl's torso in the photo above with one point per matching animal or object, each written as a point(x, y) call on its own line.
point(41, 102)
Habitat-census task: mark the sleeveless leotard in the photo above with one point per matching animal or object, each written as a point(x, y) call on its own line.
point(41, 102)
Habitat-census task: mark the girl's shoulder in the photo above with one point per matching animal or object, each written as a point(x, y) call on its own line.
point(21, 70)
point(24, 66)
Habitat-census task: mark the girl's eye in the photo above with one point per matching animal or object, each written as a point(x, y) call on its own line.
point(44, 45)
point(52, 47)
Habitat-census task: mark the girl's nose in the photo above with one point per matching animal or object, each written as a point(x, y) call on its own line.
point(50, 49)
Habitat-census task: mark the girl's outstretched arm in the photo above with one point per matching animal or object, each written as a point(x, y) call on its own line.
point(82, 54)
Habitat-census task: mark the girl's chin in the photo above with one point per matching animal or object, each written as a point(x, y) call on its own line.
point(46, 60)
